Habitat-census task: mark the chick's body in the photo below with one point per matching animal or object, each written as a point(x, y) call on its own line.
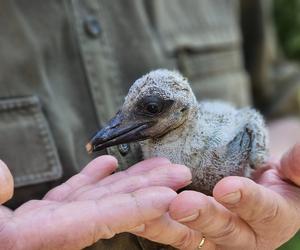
point(213, 139)
point(217, 141)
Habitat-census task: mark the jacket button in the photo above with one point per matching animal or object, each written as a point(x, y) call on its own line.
point(123, 149)
point(92, 27)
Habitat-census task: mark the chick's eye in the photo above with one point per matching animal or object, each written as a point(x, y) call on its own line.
point(153, 108)
point(150, 106)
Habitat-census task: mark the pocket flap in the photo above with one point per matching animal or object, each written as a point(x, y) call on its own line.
point(196, 25)
point(26, 143)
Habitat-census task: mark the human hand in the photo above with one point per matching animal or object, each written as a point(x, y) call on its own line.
point(91, 205)
point(241, 215)
point(6, 187)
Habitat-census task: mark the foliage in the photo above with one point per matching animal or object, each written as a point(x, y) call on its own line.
point(293, 244)
point(287, 22)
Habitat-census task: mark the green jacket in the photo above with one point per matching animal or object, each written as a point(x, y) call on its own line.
point(66, 66)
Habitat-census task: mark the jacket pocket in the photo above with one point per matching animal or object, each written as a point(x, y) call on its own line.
point(26, 143)
point(203, 39)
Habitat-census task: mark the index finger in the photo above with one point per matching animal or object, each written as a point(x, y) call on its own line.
point(96, 170)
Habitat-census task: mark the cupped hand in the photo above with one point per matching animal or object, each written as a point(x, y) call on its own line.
point(91, 205)
point(242, 214)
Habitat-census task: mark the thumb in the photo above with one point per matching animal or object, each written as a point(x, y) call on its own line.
point(289, 167)
point(6, 183)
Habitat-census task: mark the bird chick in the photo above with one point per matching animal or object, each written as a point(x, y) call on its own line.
point(213, 139)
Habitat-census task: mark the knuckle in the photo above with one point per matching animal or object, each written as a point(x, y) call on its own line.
point(271, 214)
point(260, 205)
point(267, 212)
point(226, 230)
point(207, 213)
point(186, 240)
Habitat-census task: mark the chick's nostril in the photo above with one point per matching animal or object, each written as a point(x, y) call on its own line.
point(114, 126)
point(115, 122)
point(102, 136)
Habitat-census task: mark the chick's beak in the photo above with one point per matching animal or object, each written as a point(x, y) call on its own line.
point(119, 130)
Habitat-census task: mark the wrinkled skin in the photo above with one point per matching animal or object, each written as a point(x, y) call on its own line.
point(261, 215)
point(69, 216)
point(91, 205)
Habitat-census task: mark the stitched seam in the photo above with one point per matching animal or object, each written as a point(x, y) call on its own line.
point(32, 105)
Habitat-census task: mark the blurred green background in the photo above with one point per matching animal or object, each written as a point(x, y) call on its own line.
point(287, 23)
point(293, 244)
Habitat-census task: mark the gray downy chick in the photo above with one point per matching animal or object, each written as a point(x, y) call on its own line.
point(213, 139)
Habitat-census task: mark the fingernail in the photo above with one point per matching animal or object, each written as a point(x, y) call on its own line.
point(189, 218)
point(138, 229)
point(231, 198)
